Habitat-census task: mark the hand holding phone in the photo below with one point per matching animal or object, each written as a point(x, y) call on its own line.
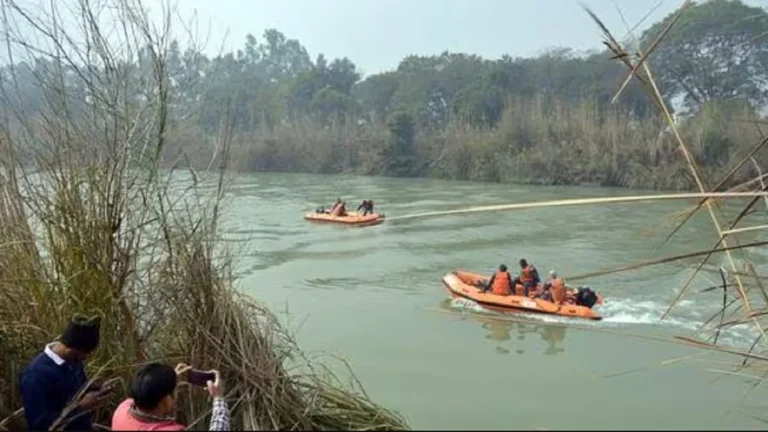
point(182, 368)
point(214, 386)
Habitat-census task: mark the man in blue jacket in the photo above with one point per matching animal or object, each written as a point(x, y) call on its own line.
point(53, 379)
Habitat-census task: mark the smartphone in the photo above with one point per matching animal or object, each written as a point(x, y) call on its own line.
point(200, 378)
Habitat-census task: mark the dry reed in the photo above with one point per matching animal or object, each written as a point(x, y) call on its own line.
point(92, 225)
point(744, 308)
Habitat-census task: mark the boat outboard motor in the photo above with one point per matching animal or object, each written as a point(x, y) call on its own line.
point(586, 297)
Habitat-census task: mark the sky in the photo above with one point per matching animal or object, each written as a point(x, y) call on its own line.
point(377, 34)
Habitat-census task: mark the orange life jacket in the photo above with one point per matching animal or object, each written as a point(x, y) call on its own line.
point(526, 274)
point(501, 283)
point(558, 290)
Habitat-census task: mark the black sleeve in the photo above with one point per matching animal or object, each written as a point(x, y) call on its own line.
point(536, 276)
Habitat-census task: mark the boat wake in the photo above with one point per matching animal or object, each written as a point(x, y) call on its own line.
point(624, 314)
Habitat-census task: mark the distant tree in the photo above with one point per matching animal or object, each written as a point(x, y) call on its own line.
point(400, 153)
point(718, 50)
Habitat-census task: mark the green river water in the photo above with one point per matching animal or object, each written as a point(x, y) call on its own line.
point(374, 297)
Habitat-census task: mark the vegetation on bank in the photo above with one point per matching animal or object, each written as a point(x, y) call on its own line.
point(547, 119)
point(91, 225)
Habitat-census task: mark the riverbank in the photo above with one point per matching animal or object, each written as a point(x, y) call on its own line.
point(534, 143)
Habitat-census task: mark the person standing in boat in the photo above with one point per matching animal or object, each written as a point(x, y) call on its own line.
point(366, 206)
point(500, 283)
point(528, 278)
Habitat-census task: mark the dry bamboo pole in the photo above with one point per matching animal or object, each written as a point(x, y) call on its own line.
point(700, 184)
point(663, 261)
point(745, 229)
point(584, 201)
point(760, 176)
point(715, 221)
point(722, 183)
point(656, 95)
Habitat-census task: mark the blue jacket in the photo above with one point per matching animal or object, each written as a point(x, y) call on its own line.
point(47, 388)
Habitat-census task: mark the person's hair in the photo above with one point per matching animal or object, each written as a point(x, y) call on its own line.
point(82, 333)
point(523, 262)
point(152, 383)
point(502, 268)
point(553, 273)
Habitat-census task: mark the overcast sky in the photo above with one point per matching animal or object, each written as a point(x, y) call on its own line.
point(377, 34)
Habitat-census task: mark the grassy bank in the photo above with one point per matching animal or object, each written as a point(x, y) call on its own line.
point(91, 225)
point(553, 143)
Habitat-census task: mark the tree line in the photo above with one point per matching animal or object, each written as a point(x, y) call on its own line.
point(547, 119)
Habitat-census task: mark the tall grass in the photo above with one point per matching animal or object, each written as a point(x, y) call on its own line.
point(553, 142)
point(91, 224)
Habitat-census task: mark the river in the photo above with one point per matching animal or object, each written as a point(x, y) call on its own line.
point(374, 297)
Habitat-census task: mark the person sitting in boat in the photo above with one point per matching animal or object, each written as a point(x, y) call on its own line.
point(340, 209)
point(554, 289)
point(500, 283)
point(366, 206)
point(528, 278)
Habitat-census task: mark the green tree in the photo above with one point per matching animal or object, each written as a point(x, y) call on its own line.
point(400, 153)
point(716, 51)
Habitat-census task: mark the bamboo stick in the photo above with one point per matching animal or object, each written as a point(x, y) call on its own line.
point(583, 201)
point(662, 261)
point(746, 229)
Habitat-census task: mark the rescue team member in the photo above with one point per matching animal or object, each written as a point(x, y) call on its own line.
point(500, 283)
point(366, 206)
point(554, 289)
point(529, 276)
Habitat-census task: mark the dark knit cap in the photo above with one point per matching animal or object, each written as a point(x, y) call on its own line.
point(82, 333)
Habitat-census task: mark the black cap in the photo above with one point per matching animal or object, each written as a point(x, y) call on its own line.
point(82, 333)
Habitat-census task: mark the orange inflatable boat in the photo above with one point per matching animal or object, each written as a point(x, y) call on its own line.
point(461, 284)
point(352, 218)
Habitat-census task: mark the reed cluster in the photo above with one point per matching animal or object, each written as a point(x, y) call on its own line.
point(91, 224)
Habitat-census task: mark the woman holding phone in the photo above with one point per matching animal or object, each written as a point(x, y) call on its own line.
point(153, 399)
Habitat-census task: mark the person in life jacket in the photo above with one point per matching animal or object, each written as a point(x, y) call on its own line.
point(529, 276)
point(554, 289)
point(500, 283)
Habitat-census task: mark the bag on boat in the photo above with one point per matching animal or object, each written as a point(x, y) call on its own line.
point(586, 297)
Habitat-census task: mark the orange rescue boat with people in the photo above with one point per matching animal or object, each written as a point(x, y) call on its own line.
point(502, 293)
point(339, 214)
